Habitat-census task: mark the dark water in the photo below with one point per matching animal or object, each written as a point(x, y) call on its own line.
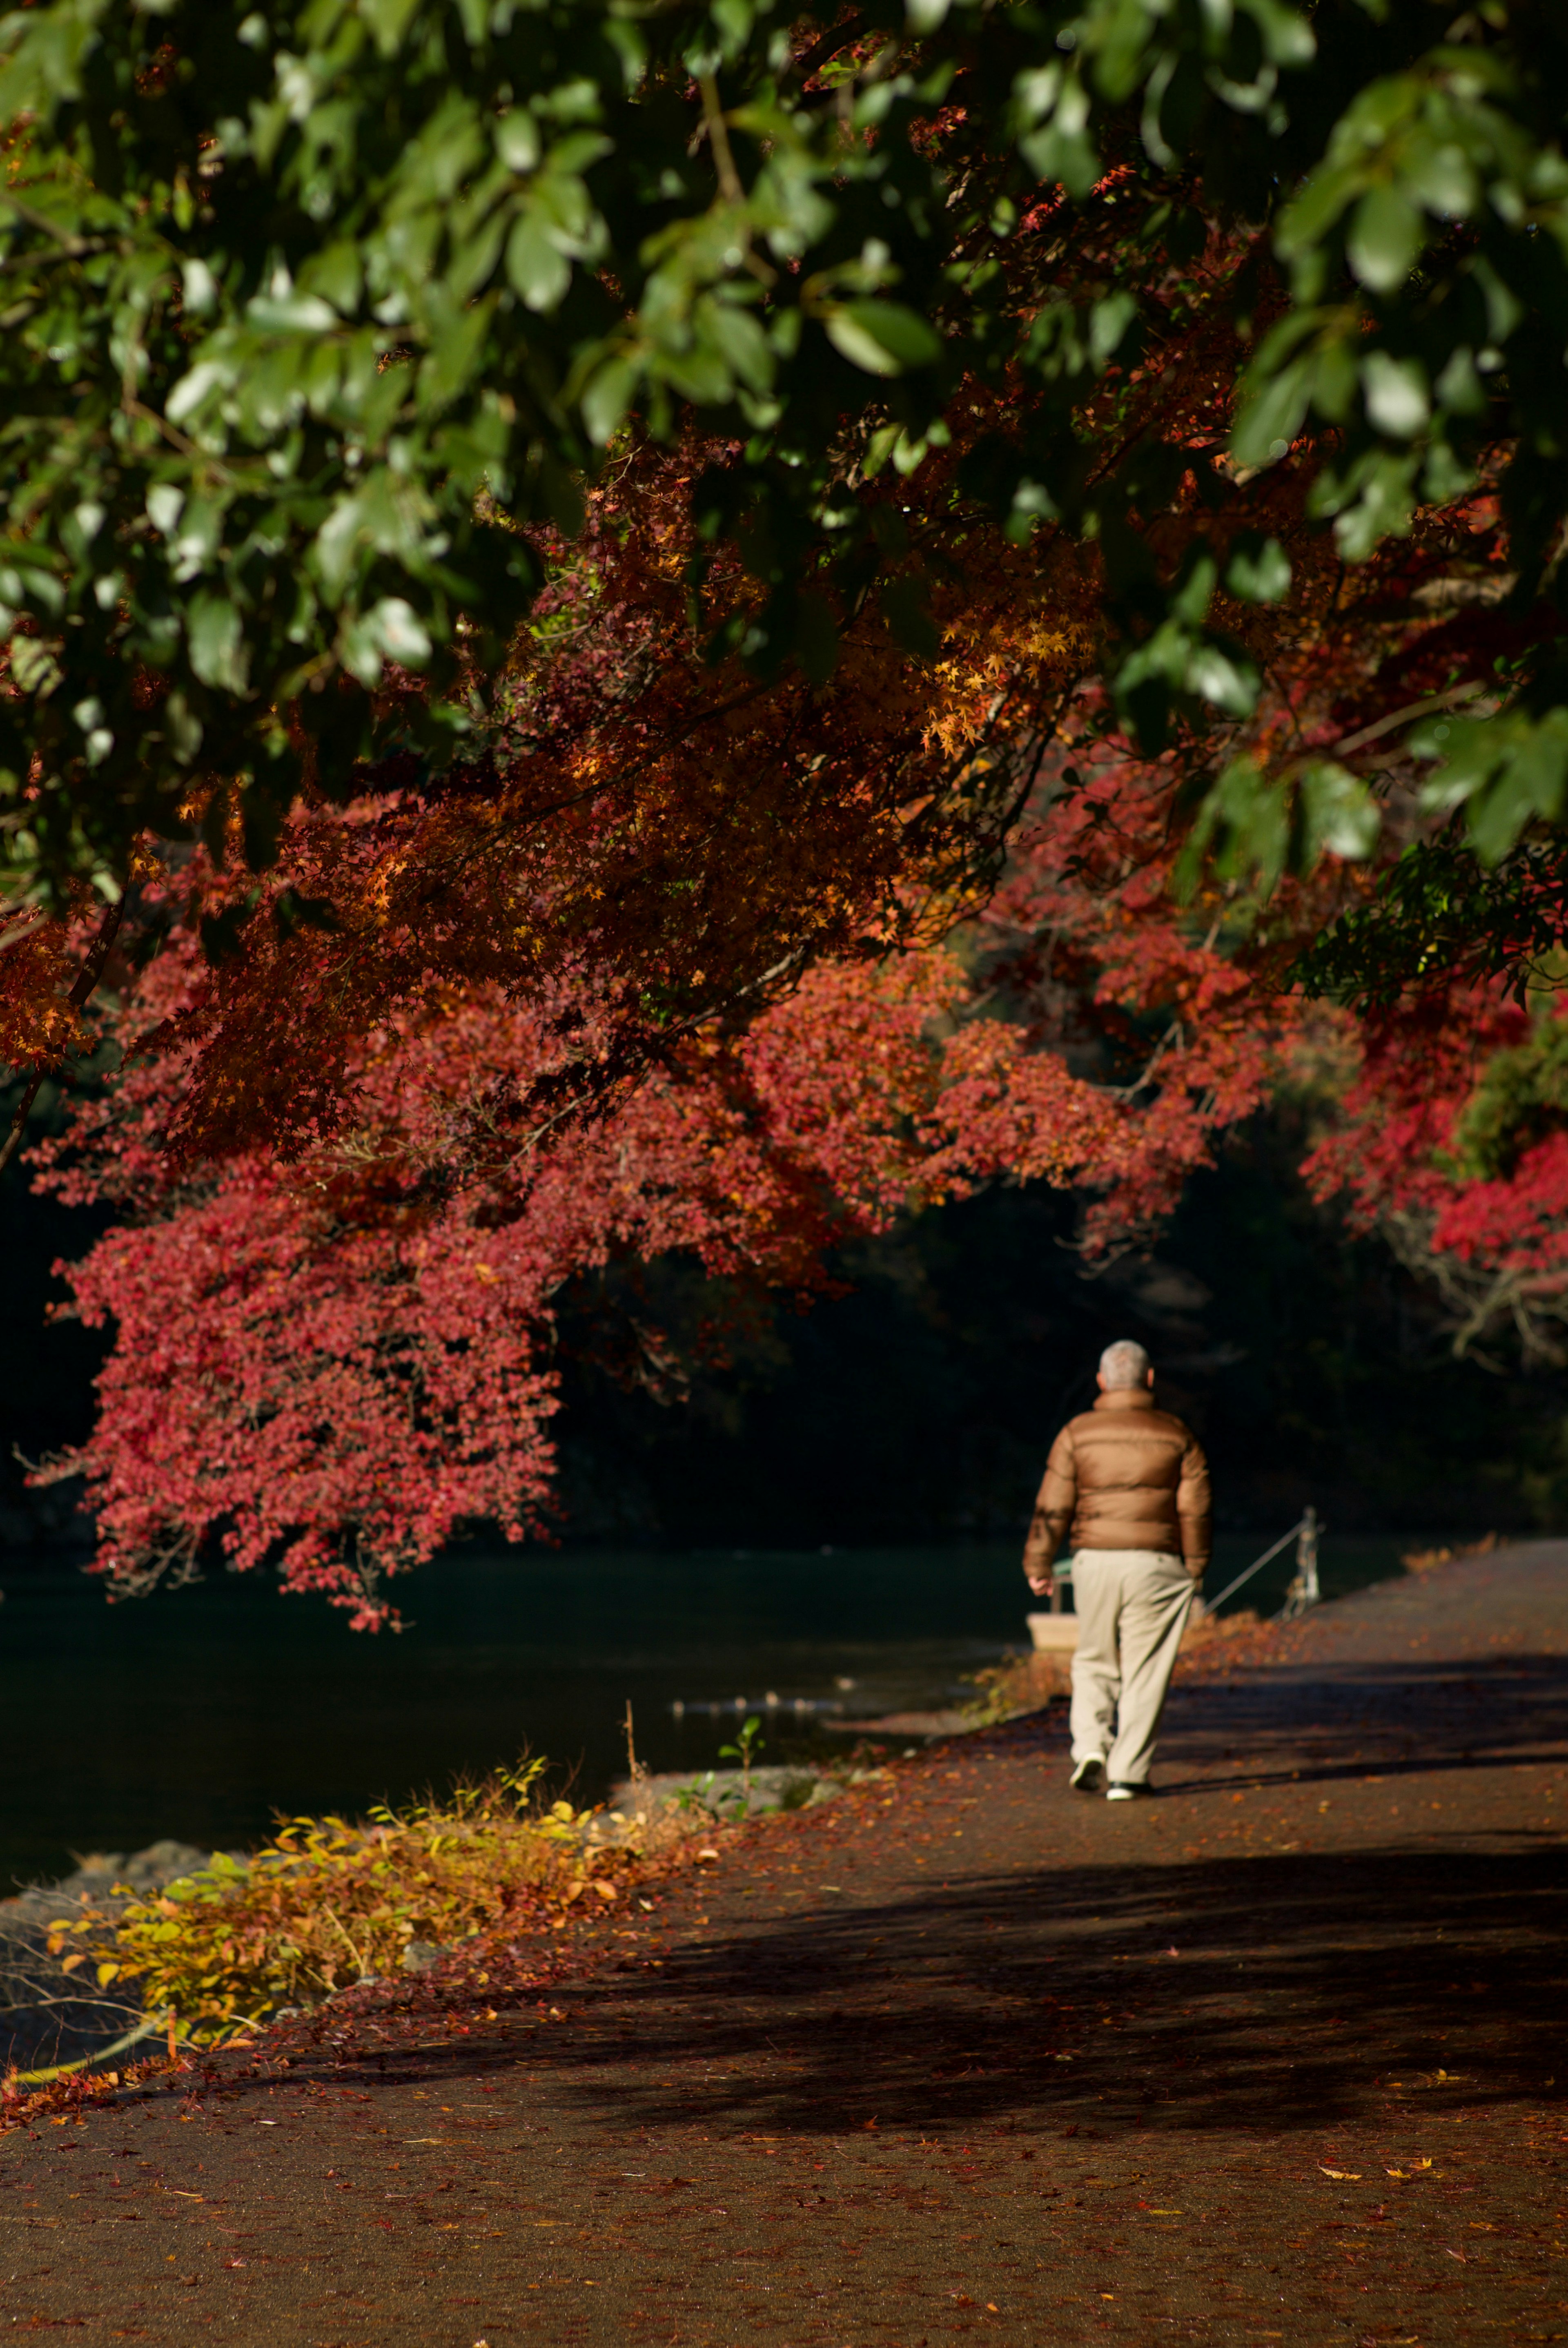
point(204, 1713)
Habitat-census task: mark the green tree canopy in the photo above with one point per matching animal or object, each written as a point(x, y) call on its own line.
point(319, 319)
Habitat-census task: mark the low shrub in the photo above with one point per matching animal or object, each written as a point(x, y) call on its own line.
point(328, 1902)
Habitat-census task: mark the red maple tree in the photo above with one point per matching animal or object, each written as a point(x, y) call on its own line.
point(330, 1357)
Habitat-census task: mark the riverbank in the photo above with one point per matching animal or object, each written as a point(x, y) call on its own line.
point(1273, 2056)
point(282, 1711)
point(206, 1947)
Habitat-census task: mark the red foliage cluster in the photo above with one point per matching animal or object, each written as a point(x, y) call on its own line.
point(1183, 1029)
point(1452, 1142)
point(330, 1360)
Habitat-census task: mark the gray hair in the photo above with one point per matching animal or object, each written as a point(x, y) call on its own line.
point(1124, 1365)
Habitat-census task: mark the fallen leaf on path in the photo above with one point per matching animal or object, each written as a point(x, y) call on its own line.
point(1343, 2175)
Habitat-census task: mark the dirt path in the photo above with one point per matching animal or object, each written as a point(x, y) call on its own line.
point(966, 2055)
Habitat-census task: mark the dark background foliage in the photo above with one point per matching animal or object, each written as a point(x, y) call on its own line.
point(922, 1402)
point(919, 1404)
point(47, 1367)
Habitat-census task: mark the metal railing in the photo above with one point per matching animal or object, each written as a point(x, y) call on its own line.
point(1304, 1590)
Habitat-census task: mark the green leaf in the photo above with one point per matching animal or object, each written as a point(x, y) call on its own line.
point(181, 729)
point(1258, 569)
point(881, 337)
point(456, 355)
point(1108, 323)
point(1063, 150)
point(1243, 825)
point(291, 314)
point(1272, 417)
point(1441, 177)
point(537, 267)
point(609, 398)
point(878, 449)
point(518, 140)
point(215, 636)
point(1229, 685)
point(388, 21)
point(1398, 400)
point(391, 630)
point(34, 668)
point(1287, 35)
point(1341, 815)
point(1309, 217)
point(741, 338)
point(1385, 235)
point(337, 274)
point(1507, 771)
point(1382, 505)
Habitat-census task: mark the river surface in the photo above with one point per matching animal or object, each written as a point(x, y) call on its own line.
point(206, 1713)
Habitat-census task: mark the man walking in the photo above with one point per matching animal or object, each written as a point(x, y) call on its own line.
point(1132, 1485)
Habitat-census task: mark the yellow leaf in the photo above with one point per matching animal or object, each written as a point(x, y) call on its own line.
point(69, 1964)
point(107, 1974)
point(1343, 2175)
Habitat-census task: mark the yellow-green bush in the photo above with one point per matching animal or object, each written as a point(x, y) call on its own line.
point(327, 1902)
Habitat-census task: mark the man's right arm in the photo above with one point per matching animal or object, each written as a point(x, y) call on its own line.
point(1053, 1511)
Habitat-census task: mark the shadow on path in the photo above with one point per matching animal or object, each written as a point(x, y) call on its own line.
point(1283, 1991)
point(1421, 1715)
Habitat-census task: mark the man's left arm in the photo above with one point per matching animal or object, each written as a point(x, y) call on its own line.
point(1195, 1509)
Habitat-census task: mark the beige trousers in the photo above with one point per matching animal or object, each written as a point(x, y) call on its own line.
point(1133, 1606)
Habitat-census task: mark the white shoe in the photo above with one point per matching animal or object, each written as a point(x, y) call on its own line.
point(1125, 1793)
point(1089, 1775)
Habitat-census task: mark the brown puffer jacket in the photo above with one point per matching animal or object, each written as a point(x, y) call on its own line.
point(1123, 1476)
